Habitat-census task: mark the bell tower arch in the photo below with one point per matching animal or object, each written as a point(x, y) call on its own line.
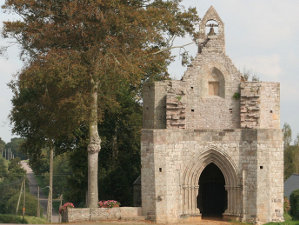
point(211, 32)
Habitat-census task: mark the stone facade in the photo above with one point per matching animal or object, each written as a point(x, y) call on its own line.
point(212, 120)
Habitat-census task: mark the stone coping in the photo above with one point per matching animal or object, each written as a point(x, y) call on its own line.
point(95, 214)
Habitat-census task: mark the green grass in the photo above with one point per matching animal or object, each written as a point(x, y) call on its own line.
point(284, 223)
point(288, 221)
point(8, 218)
point(35, 220)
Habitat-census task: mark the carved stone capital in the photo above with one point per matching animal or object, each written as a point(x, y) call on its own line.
point(94, 147)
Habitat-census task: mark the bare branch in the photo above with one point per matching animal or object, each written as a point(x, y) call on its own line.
point(172, 47)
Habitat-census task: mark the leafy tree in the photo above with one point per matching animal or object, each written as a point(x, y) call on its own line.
point(61, 172)
point(289, 161)
point(296, 141)
point(39, 161)
point(119, 161)
point(2, 146)
point(294, 201)
point(111, 42)
point(15, 146)
point(287, 135)
point(3, 168)
point(10, 184)
point(30, 203)
point(291, 152)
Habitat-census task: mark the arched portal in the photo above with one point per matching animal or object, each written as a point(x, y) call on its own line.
point(197, 169)
point(212, 196)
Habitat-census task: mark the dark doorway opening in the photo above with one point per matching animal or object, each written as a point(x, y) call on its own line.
point(212, 197)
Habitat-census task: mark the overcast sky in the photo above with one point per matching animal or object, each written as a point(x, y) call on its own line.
point(262, 36)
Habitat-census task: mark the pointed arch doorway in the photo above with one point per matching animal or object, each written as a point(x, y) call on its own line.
point(212, 196)
point(191, 193)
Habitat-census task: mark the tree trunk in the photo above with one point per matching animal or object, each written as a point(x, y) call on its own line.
point(94, 147)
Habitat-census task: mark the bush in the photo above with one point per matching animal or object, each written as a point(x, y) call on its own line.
point(30, 205)
point(294, 201)
point(8, 218)
point(108, 204)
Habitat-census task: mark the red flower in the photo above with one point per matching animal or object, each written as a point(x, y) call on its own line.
point(65, 206)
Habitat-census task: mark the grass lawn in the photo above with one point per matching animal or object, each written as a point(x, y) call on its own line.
point(288, 221)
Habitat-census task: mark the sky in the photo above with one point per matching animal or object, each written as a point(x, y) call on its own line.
point(262, 37)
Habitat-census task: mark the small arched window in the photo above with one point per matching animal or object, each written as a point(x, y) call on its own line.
point(216, 84)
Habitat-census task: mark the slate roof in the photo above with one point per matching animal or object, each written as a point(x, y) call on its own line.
point(291, 184)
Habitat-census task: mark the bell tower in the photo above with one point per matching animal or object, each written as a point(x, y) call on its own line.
point(211, 33)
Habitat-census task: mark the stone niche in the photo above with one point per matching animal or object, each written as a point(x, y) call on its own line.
point(211, 144)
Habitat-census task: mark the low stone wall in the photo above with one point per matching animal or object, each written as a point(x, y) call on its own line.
point(88, 214)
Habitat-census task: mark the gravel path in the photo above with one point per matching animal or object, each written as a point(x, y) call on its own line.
point(201, 222)
point(33, 190)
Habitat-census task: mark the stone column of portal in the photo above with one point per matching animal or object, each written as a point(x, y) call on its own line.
point(234, 202)
point(184, 199)
point(228, 211)
point(189, 200)
point(238, 201)
point(196, 210)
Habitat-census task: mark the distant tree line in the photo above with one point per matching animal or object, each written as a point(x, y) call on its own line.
point(291, 152)
point(12, 149)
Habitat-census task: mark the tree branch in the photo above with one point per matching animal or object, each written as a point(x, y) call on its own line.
point(172, 47)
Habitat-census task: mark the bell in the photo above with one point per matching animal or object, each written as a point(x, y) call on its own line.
point(212, 32)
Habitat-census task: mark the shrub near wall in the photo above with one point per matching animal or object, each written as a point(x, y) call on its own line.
point(294, 201)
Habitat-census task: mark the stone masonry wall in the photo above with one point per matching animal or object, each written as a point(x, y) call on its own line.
point(269, 175)
point(212, 112)
point(260, 105)
point(154, 105)
point(97, 214)
point(175, 112)
point(174, 150)
point(250, 104)
point(270, 105)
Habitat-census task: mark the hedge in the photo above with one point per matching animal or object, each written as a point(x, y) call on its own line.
point(9, 218)
point(294, 201)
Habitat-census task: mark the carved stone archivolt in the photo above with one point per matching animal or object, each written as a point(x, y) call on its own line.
point(191, 177)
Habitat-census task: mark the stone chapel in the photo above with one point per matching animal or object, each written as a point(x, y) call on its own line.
point(211, 143)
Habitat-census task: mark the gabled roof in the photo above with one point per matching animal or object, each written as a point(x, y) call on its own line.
point(212, 14)
point(291, 184)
